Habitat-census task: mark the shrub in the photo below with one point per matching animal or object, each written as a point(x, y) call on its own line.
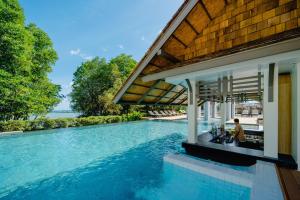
point(45, 123)
point(13, 125)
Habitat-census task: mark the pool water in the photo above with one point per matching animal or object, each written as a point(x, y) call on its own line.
point(117, 161)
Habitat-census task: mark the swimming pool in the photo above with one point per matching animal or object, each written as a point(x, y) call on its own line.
point(117, 161)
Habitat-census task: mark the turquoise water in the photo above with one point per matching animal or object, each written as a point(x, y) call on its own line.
point(118, 161)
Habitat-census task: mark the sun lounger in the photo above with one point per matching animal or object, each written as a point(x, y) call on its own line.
point(157, 113)
point(170, 112)
point(174, 112)
point(164, 114)
point(245, 112)
point(152, 114)
point(254, 112)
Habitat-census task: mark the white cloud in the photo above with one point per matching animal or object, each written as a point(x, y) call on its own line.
point(85, 57)
point(121, 46)
point(75, 52)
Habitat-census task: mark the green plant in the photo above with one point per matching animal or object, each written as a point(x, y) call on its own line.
point(46, 123)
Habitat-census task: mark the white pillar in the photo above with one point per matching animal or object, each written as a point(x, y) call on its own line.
point(228, 111)
point(206, 110)
point(192, 112)
point(213, 109)
point(270, 114)
point(232, 110)
point(223, 112)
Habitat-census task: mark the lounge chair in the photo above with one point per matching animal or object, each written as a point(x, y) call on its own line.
point(164, 114)
point(254, 112)
point(170, 112)
point(245, 112)
point(174, 112)
point(157, 113)
point(152, 114)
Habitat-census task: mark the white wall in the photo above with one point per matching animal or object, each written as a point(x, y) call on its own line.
point(270, 116)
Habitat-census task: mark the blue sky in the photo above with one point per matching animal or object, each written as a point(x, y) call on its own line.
point(83, 29)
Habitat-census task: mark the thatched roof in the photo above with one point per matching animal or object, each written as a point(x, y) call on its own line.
point(205, 29)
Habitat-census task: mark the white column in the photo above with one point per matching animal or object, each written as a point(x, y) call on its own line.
point(228, 111)
point(223, 112)
point(232, 110)
point(213, 109)
point(206, 110)
point(192, 112)
point(270, 115)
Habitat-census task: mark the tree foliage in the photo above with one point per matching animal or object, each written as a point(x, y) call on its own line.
point(26, 57)
point(95, 83)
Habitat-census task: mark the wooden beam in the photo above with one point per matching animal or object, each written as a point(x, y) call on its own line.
point(165, 93)
point(135, 103)
point(180, 41)
point(151, 63)
point(226, 2)
point(133, 93)
point(176, 96)
point(205, 9)
point(148, 91)
point(189, 23)
point(168, 56)
point(183, 100)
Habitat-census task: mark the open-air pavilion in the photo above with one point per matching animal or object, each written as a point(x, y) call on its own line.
point(227, 52)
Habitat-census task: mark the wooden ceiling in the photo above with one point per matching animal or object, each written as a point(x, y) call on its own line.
point(210, 28)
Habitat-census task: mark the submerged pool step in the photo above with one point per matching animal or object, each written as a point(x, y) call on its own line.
point(218, 171)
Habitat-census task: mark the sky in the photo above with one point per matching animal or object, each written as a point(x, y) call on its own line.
point(83, 29)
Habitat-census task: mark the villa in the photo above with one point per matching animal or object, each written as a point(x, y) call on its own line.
point(228, 52)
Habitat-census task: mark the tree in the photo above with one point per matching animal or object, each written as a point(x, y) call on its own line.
point(26, 57)
point(95, 83)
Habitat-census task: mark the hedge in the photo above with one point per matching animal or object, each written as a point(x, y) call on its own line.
point(46, 123)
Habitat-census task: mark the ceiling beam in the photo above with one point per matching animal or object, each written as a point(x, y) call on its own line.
point(176, 96)
point(180, 41)
point(192, 27)
point(165, 93)
point(148, 91)
point(183, 100)
point(205, 9)
point(151, 63)
point(168, 56)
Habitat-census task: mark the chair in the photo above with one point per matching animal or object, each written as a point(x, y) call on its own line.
point(152, 114)
point(157, 113)
point(245, 112)
point(174, 112)
point(254, 112)
point(170, 113)
point(164, 114)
